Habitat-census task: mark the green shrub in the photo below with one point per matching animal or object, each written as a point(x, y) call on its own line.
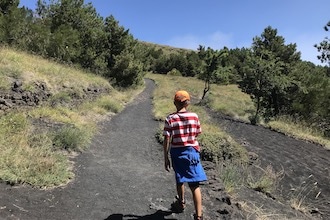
point(232, 176)
point(71, 138)
point(159, 134)
point(174, 72)
point(216, 147)
point(265, 181)
point(60, 98)
point(110, 105)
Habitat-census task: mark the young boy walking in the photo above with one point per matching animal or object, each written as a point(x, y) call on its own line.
point(180, 131)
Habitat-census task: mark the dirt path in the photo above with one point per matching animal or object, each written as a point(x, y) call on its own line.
point(120, 177)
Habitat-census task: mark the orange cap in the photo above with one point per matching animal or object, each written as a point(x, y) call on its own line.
point(181, 96)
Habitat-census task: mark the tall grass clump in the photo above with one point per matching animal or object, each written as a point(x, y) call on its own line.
point(109, 104)
point(232, 176)
point(264, 180)
point(305, 196)
point(219, 146)
point(72, 138)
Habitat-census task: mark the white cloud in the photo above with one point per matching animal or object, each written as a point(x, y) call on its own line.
point(215, 40)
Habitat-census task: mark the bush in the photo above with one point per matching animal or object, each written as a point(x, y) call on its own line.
point(215, 147)
point(60, 98)
point(109, 105)
point(71, 138)
point(174, 72)
point(265, 181)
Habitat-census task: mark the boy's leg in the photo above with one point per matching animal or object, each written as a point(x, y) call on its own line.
point(197, 196)
point(180, 191)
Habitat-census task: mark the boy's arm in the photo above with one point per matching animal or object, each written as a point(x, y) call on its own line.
point(166, 146)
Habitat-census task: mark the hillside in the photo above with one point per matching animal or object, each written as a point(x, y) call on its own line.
point(48, 112)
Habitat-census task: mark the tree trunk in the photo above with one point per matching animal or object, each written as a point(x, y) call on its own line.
point(206, 88)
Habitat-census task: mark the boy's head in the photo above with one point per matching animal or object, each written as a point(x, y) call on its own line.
point(181, 99)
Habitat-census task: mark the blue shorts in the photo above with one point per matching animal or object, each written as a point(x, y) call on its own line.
point(186, 165)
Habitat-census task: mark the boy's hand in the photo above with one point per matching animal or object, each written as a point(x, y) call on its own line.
point(167, 164)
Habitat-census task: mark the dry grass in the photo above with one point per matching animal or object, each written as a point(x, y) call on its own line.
point(300, 130)
point(300, 194)
point(267, 181)
point(30, 68)
point(256, 212)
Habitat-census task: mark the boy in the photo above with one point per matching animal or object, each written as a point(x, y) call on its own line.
point(180, 131)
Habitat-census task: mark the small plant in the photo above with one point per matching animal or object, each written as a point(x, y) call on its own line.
point(60, 98)
point(159, 134)
point(232, 176)
point(174, 72)
point(71, 138)
point(301, 195)
point(109, 105)
point(266, 182)
point(217, 146)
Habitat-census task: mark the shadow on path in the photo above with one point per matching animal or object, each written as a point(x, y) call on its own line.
point(159, 215)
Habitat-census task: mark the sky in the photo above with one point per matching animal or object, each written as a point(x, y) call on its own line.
point(218, 23)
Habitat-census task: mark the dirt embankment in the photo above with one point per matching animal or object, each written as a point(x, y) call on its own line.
point(39, 94)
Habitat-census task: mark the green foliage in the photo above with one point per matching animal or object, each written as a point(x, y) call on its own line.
point(71, 138)
point(216, 147)
point(60, 98)
point(183, 62)
point(268, 74)
point(7, 5)
point(109, 105)
point(324, 47)
point(265, 181)
point(232, 176)
point(174, 72)
point(13, 123)
point(127, 71)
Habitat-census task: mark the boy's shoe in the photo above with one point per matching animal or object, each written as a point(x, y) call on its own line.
point(198, 217)
point(179, 205)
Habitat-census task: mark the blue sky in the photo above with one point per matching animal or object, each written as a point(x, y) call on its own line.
point(219, 23)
